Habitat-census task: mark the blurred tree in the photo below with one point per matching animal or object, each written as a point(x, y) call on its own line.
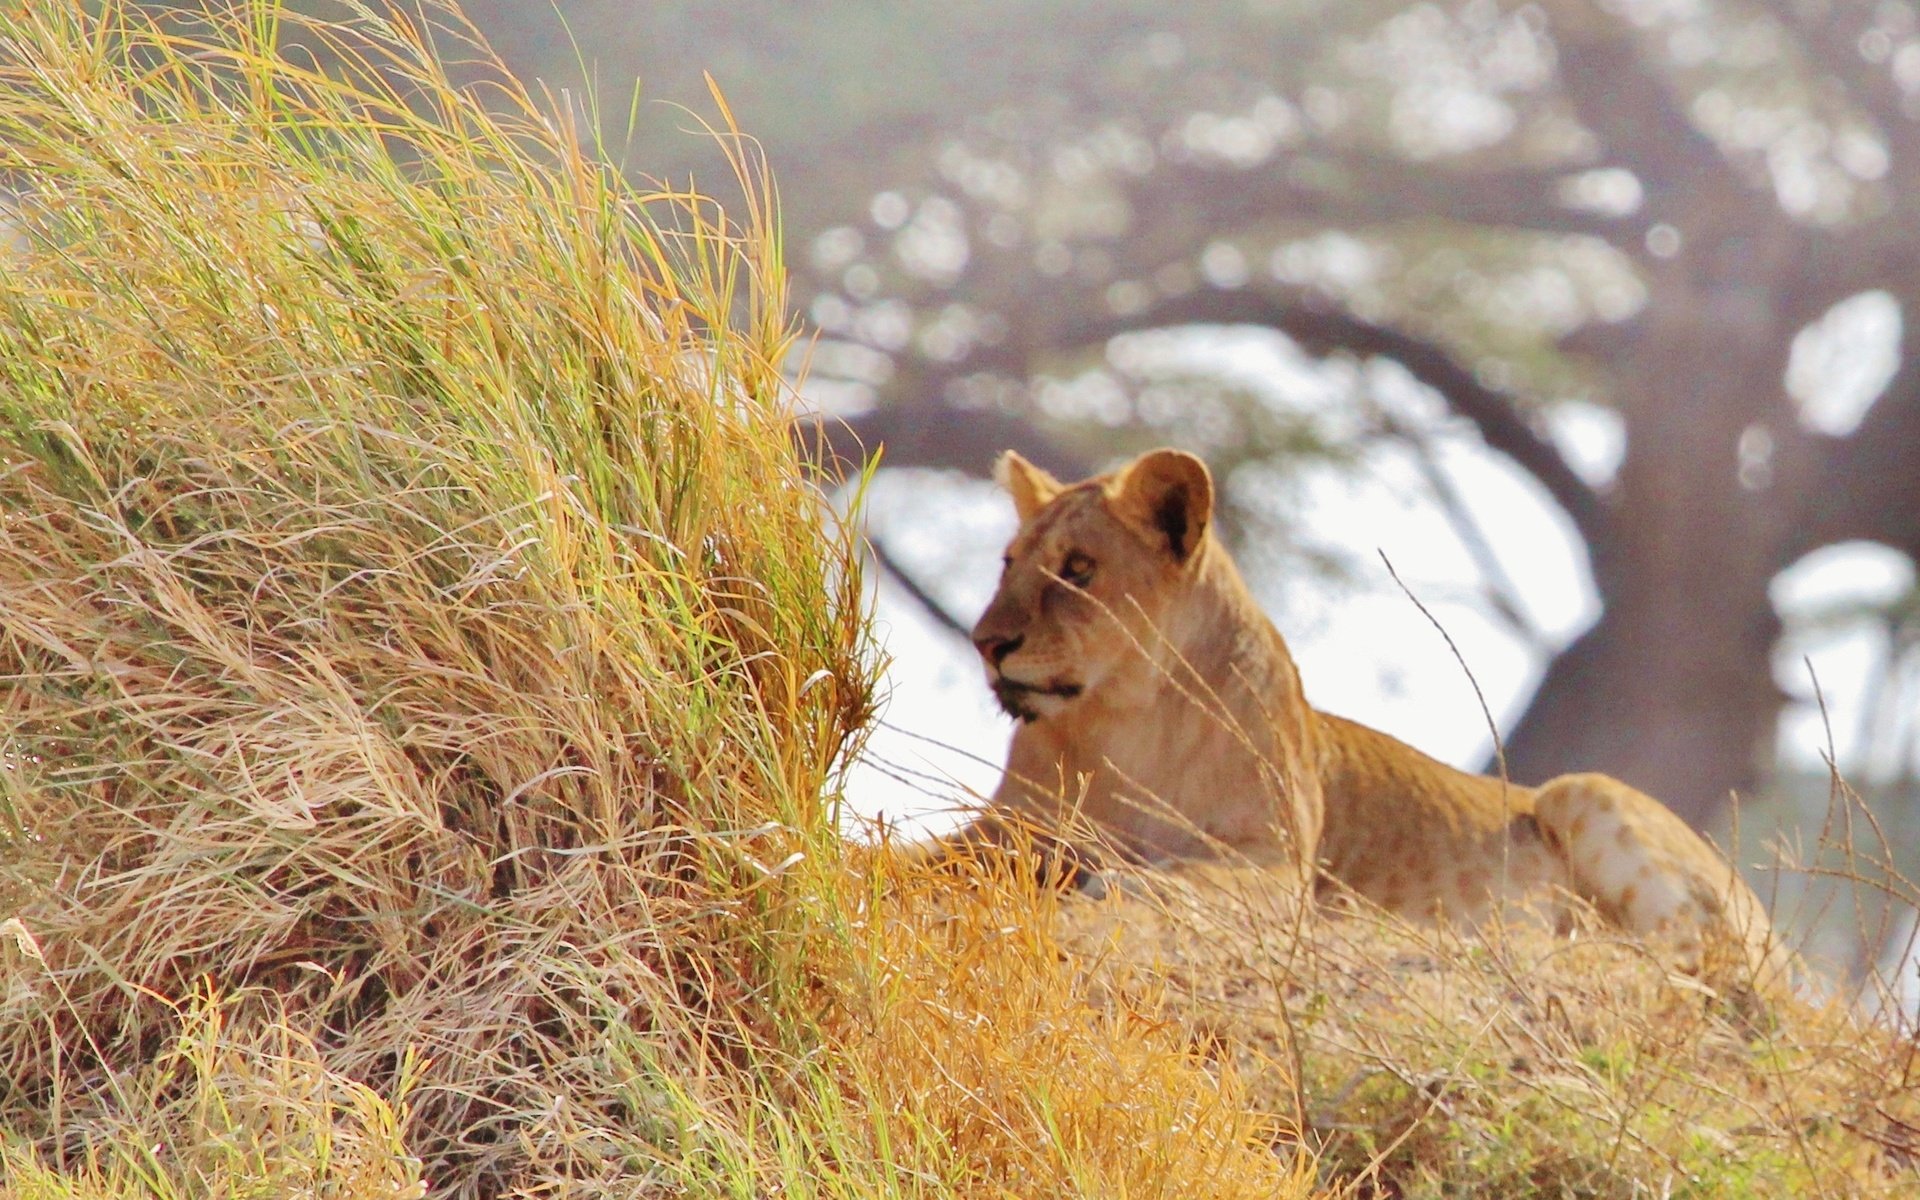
point(1670, 209)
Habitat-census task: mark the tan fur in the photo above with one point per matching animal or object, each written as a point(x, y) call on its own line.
point(1160, 704)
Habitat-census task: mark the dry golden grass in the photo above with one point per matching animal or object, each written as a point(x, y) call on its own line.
point(1422, 1062)
point(239, 1104)
point(964, 1014)
point(425, 669)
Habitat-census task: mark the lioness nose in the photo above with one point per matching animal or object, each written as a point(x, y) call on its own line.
point(995, 648)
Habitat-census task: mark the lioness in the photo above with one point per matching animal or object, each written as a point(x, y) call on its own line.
point(1160, 704)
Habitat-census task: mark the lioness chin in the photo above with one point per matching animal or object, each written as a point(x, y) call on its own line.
point(1158, 704)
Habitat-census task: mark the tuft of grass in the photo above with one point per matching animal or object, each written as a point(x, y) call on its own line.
point(978, 1057)
point(425, 670)
point(407, 602)
point(237, 1104)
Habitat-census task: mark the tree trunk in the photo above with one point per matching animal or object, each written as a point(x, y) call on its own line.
point(1677, 699)
point(1673, 690)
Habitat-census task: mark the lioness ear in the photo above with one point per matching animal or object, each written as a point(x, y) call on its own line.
point(1030, 487)
point(1166, 495)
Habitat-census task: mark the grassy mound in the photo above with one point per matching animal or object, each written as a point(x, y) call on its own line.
point(1420, 1063)
point(425, 667)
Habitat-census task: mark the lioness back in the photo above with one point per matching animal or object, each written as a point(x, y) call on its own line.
point(1418, 837)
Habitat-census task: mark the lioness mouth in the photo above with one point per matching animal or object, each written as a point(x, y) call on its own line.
point(1016, 697)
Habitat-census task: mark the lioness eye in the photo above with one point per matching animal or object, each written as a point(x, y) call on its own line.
point(1077, 570)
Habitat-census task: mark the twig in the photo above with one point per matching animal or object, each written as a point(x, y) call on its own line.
point(921, 596)
point(1501, 592)
point(1493, 728)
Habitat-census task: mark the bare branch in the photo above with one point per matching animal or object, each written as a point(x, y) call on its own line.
point(1502, 595)
point(1324, 330)
point(1356, 188)
point(1832, 41)
point(925, 599)
point(1492, 412)
point(1629, 103)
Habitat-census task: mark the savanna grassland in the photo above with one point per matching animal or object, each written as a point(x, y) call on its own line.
point(428, 665)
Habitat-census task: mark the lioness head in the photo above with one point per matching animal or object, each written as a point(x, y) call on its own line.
point(1088, 575)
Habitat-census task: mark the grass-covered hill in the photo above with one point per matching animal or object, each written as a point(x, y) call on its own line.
point(425, 673)
point(1420, 1062)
